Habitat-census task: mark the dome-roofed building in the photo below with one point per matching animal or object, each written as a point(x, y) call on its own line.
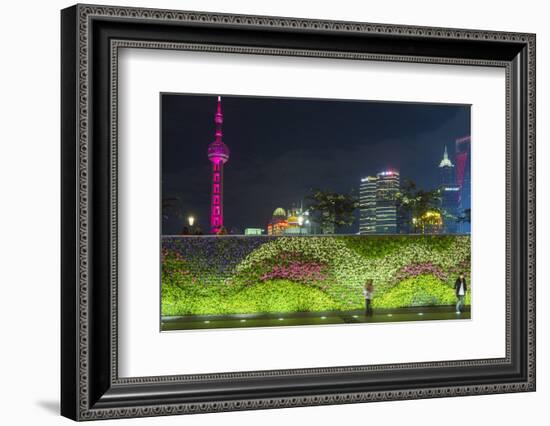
point(278, 222)
point(292, 221)
point(279, 212)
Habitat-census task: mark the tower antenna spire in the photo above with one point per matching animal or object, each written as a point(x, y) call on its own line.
point(445, 162)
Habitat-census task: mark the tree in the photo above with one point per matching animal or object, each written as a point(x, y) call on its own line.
point(332, 210)
point(414, 203)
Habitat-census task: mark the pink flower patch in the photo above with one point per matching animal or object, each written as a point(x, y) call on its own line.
point(303, 272)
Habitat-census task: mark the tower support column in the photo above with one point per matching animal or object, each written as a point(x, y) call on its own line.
point(216, 202)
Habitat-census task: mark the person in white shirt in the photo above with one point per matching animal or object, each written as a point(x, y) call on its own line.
point(460, 291)
point(368, 292)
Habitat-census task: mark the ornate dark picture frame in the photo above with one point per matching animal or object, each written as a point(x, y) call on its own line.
point(90, 385)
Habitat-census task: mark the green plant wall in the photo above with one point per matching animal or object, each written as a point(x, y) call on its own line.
point(236, 274)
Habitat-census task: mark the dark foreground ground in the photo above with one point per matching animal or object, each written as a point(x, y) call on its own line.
point(428, 313)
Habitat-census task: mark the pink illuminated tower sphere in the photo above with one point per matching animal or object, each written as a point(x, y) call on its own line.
point(218, 154)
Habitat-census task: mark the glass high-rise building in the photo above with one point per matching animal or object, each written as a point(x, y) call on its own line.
point(387, 187)
point(446, 169)
point(377, 203)
point(367, 205)
point(450, 192)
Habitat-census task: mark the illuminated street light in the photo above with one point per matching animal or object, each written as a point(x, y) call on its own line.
point(300, 220)
point(191, 220)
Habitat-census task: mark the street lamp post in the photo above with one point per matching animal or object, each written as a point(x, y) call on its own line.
point(191, 221)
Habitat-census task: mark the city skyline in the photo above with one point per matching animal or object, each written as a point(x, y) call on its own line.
point(283, 148)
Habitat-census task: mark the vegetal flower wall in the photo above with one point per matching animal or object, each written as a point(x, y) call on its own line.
point(238, 274)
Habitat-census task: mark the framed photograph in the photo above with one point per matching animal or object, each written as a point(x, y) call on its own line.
point(263, 212)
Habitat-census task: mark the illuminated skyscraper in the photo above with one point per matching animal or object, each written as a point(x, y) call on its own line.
point(367, 205)
point(387, 187)
point(449, 194)
point(377, 203)
point(218, 154)
point(446, 168)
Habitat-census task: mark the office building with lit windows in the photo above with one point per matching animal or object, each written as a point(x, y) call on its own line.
point(450, 193)
point(367, 205)
point(378, 204)
point(387, 187)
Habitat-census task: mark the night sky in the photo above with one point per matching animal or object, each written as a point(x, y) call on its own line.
point(281, 148)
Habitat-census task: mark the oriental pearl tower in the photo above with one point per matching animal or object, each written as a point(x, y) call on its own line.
point(218, 154)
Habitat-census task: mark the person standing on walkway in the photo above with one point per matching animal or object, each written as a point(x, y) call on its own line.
point(460, 290)
point(368, 292)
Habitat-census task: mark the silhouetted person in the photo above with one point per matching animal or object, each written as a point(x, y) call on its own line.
point(368, 292)
point(460, 291)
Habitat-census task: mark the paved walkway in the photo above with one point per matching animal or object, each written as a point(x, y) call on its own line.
point(428, 313)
